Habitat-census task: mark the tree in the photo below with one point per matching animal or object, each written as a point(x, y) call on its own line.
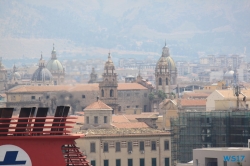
point(151, 96)
point(162, 95)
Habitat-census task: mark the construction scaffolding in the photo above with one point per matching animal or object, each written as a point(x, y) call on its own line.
point(193, 130)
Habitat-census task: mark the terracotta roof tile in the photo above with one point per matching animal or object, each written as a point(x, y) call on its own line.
point(193, 102)
point(98, 105)
point(131, 125)
point(119, 119)
point(130, 86)
point(133, 118)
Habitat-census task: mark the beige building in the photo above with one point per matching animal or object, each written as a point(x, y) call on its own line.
point(126, 142)
point(221, 100)
point(77, 96)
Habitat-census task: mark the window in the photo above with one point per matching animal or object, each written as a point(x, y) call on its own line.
point(137, 106)
point(92, 147)
point(167, 162)
point(160, 81)
point(92, 162)
point(33, 97)
point(105, 119)
point(130, 148)
point(247, 106)
point(166, 81)
point(87, 120)
point(106, 147)
point(196, 162)
point(128, 94)
point(128, 106)
point(117, 146)
point(142, 162)
point(145, 95)
point(102, 93)
point(130, 162)
point(153, 145)
point(96, 119)
point(118, 162)
point(47, 97)
point(145, 108)
point(83, 96)
point(141, 145)
point(153, 162)
point(166, 145)
point(111, 93)
point(106, 162)
point(225, 163)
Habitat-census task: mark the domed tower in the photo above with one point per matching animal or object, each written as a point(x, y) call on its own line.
point(15, 78)
point(3, 76)
point(56, 68)
point(93, 77)
point(42, 75)
point(165, 72)
point(108, 87)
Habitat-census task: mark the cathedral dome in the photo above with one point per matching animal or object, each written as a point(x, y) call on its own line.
point(166, 61)
point(17, 76)
point(229, 74)
point(109, 65)
point(41, 74)
point(54, 65)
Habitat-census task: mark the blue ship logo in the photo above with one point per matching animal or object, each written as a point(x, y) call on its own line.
point(10, 159)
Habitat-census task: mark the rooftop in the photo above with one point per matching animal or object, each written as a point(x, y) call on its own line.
point(123, 131)
point(193, 102)
point(72, 88)
point(98, 105)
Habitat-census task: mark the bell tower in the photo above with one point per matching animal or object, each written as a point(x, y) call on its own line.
point(108, 86)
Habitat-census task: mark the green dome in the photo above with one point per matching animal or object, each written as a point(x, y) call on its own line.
point(54, 66)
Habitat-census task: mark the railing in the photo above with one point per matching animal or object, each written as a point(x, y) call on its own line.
point(73, 156)
point(35, 126)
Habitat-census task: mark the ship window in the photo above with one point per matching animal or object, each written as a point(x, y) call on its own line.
point(92, 147)
point(106, 147)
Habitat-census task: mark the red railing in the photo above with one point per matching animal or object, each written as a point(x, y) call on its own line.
point(35, 126)
point(73, 156)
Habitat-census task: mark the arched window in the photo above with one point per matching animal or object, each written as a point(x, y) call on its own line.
point(102, 93)
point(111, 93)
point(160, 81)
point(166, 81)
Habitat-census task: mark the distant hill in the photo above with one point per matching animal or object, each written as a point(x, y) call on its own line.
point(135, 28)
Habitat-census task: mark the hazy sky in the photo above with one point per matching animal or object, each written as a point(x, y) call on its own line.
point(127, 27)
